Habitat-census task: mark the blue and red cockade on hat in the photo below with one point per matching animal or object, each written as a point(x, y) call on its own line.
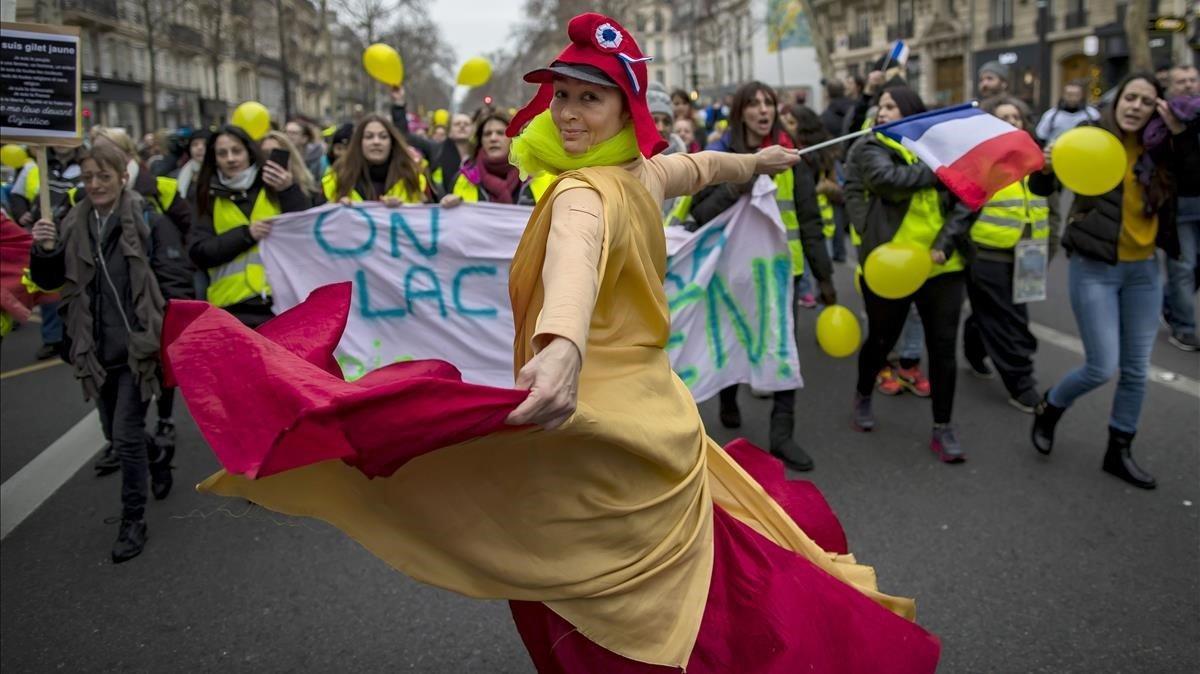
point(601, 42)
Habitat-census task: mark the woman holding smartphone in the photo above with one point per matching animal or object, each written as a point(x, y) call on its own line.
point(237, 193)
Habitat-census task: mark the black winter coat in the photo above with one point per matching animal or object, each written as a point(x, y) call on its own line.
point(440, 155)
point(879, 188)
point(165, 251)
point(1094, 224)
point(208, 249)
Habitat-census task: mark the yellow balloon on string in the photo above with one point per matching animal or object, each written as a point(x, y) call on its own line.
point(475, 72)
point(384, 64)
point(441, 117)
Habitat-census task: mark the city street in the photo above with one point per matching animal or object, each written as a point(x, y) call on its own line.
point(1019, 563)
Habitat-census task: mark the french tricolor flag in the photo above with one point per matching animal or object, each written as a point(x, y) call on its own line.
point(973, 153)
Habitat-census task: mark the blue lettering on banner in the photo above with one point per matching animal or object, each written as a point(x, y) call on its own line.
point(399, 224)
point(338, 251)
point(433, 292)
point(705, 246)
point(364, 300)
point(484, 312)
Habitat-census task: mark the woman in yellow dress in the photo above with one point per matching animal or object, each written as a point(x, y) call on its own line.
point(626, 538)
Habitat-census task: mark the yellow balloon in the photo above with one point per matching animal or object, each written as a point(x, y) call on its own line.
point(838, 331)
point(384, 64)
point(253, 118)
point(441, 117)
point(895, 270)
point(1088, 160)
point(13, 156)
point(475, 72)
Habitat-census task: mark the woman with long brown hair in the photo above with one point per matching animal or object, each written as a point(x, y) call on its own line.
point(1114, 282)
point(488, 175)
point(754, 124)
point(238, 192)
point(376, 167)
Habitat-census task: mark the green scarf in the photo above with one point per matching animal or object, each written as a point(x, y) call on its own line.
point(539, 149)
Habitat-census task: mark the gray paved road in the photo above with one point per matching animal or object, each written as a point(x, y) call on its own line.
point(1019, 563)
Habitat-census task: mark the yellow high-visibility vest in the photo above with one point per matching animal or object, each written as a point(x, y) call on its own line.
point(1004, 218)
point(923, 220)
point(244, 276)
point(330, 187)
point(785, 198)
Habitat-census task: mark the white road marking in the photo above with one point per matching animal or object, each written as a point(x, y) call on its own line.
point(1172, 380)
point(29, 488)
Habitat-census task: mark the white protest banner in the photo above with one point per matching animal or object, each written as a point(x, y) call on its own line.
point(433, 283)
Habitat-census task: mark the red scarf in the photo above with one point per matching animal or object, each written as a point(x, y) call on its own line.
point(783, 139)
point(498, 177)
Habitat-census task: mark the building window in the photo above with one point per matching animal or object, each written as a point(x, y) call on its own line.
point(1001, 20)
point(1001, 13)
point(659, 54)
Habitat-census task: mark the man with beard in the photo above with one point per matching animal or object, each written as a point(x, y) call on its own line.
point(993, 79)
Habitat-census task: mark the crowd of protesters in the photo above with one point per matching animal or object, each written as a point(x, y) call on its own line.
point(135, 225)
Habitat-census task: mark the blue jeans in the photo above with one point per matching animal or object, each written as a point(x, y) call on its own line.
point(911, 344)
point(805, 283)
point(1178, 307)
point(52, 327)
point(1116, 308)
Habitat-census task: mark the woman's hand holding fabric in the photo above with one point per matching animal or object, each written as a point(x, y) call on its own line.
point(450, 201)
point(1175, 126)
point(937, 256)
point(552, 379)
point(392, 202)
point(259, 229)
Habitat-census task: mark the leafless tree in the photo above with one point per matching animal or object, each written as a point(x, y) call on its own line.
point(154, 15)
point(428, 60)
point(372, 18)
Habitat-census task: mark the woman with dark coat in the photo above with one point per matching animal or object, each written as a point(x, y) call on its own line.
point(110, 260)
point(901, 200)
point(1115, 284)
point(237, 193)
point(754, 124)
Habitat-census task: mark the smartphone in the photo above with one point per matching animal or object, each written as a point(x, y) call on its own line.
point(280, 156)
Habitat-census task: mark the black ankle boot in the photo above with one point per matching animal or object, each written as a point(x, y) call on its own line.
point(131, 538)
point(107, 461)
point(784, 447)
point(1045, 419)
point(1118, 460)
point(730, 414)
point(161, 456)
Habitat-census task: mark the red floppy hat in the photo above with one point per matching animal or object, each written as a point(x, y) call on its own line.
point(603, 44)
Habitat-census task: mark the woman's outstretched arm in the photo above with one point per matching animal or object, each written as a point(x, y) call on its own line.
point(682, 174)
